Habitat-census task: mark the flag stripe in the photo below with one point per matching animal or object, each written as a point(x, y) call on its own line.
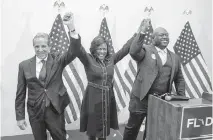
point(129, 76)
point(132, 68)
point(126, 78)
point(77, 77)
point(188, 90)
point(200, 57)
point(187, 94)
point(201, 75)
point(67, 118)
point(122, 91)
point(73, 105)
point(73, 89)
point(72, 77)
point(195, 71)
point(189, 87)
point(204, 70)
point(191, 80)
point(81, 74)
point(127, 84)
point(69, 112)
point(118, 103)
point(73, 113)
point(126, 74)
point(119, 94)
point(194, 78)
point(125, 88)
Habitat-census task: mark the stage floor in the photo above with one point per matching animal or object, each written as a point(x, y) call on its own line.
point(76, 135)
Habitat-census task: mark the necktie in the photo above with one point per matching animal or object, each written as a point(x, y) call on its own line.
point(42, 77)
point(43, 72)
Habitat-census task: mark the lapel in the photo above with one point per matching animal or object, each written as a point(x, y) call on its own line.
point(32, 66)
point(173, 68)
point(49, 65)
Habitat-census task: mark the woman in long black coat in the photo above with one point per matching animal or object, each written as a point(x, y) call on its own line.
point(98, 110)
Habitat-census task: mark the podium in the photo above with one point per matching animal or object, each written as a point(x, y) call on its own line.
point(179, 120)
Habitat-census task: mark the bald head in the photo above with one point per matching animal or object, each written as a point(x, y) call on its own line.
point(159, 30)
point(160, 37)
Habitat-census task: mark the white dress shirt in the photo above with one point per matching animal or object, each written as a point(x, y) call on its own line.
point(162, 54)
point(39, 65)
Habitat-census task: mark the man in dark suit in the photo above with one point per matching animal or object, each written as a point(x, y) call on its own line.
point(157, 69)
point(47, 95)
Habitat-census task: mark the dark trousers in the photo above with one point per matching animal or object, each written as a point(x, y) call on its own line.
point(138, 111)
point(133, 126)
point(53, 122)
point(94, 138)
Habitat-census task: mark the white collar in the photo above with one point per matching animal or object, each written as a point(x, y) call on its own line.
point(38, 60)
point(160, 50)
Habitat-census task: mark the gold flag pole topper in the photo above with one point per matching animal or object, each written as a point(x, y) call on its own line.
point(104, 9)
point(187, 12)
point(149, 11)
point(59, 4)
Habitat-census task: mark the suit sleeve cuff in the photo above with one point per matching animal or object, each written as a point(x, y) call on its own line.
point(74, 35)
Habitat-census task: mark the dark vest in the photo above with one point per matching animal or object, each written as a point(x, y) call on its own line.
point(161, 82)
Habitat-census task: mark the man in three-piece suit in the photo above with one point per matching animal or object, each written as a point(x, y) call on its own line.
point(157, 69)
point(41, 76)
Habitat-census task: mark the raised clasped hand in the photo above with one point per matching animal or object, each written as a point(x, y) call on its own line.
point(144, 25)
point(68, 20)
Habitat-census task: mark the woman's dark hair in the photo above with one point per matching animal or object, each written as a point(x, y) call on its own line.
point(97, 41)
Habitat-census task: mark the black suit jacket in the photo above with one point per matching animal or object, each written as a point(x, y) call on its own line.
point(148, 64)
point(53, 87)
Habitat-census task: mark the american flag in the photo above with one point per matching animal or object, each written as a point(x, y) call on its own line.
point(194, 67)
point(119, 84)
point(71, 78)
point(131, 71)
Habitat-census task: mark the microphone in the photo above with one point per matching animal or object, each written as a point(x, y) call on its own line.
point(176, 98)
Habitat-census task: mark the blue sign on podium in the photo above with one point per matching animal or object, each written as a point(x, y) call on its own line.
point(196, 122)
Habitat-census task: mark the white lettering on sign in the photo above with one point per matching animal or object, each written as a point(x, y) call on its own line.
point(209, 121)
point(189, 121)
point(194, 122)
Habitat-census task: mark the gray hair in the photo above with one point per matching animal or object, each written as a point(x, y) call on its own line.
point(42, 35)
